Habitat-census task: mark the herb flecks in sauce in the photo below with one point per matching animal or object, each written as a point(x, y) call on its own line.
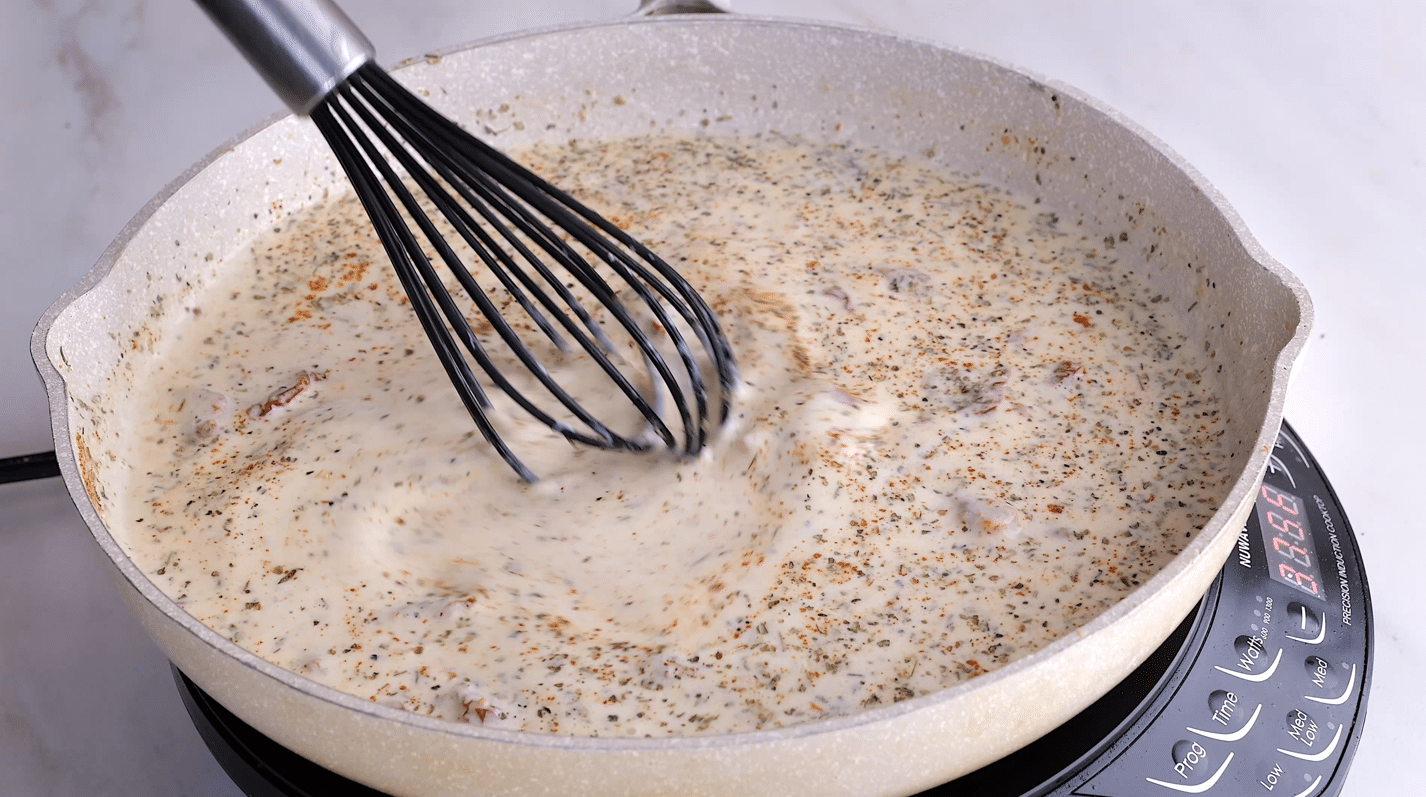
point(963, 434)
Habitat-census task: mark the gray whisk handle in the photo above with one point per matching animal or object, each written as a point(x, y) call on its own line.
point(302, 48)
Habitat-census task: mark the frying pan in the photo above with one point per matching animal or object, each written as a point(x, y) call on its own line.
point(732, 74)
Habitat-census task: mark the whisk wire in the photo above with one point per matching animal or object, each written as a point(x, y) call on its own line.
point(441, 162)
point(443, 299)
point(669, 283)
point(557, 206)
point(491, 192)
point(371, 121)
point(397, 241)
point(483, 167)
point(721, 350)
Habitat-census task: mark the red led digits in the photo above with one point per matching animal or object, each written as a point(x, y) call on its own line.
point(1285, 526)
point(1276, 497)
point(1285, 532)
point(1300, 580)
point(1296, 554)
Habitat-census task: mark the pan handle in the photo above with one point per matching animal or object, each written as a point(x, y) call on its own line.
point(657, 8)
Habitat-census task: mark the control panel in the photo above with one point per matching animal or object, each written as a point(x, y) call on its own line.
point(1270, 698)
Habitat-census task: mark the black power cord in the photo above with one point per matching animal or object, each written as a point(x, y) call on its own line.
point(30, 466)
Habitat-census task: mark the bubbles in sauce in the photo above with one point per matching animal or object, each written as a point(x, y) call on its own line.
point(963, 433)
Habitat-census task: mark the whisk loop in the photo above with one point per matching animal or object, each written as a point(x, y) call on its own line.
point(512, 221)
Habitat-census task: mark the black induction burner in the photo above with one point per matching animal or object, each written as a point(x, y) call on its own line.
point(1261, 690)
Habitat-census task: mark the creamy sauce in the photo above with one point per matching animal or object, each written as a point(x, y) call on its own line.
point(963, 432)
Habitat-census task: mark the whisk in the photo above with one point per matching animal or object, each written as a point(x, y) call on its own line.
point(537, 242)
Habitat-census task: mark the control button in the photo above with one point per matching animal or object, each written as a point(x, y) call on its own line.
point(1305, 737)
point(1321, 674)
point(1223, 707)
point(1251, 652)
point(1227, 707)
point(1190, 760)
point(1302, 728)
point(1272, 774)
point(1251, 657)
point(1346, 692)
point(1304, 624)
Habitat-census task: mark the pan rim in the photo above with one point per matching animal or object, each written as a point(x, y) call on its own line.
point(1131, 603)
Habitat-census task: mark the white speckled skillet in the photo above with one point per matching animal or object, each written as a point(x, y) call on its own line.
point(726, 74)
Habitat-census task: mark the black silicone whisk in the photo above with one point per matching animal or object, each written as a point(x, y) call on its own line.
point(560, 271)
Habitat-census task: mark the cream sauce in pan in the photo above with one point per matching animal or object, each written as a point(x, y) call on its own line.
point(964, 431)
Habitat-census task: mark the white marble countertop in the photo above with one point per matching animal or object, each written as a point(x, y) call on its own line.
point(1308, 116)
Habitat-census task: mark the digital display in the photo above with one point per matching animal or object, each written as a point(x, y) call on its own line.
point(1287, 536)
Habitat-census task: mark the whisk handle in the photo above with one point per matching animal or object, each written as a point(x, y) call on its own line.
point(658, 8)
point(302, 48)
